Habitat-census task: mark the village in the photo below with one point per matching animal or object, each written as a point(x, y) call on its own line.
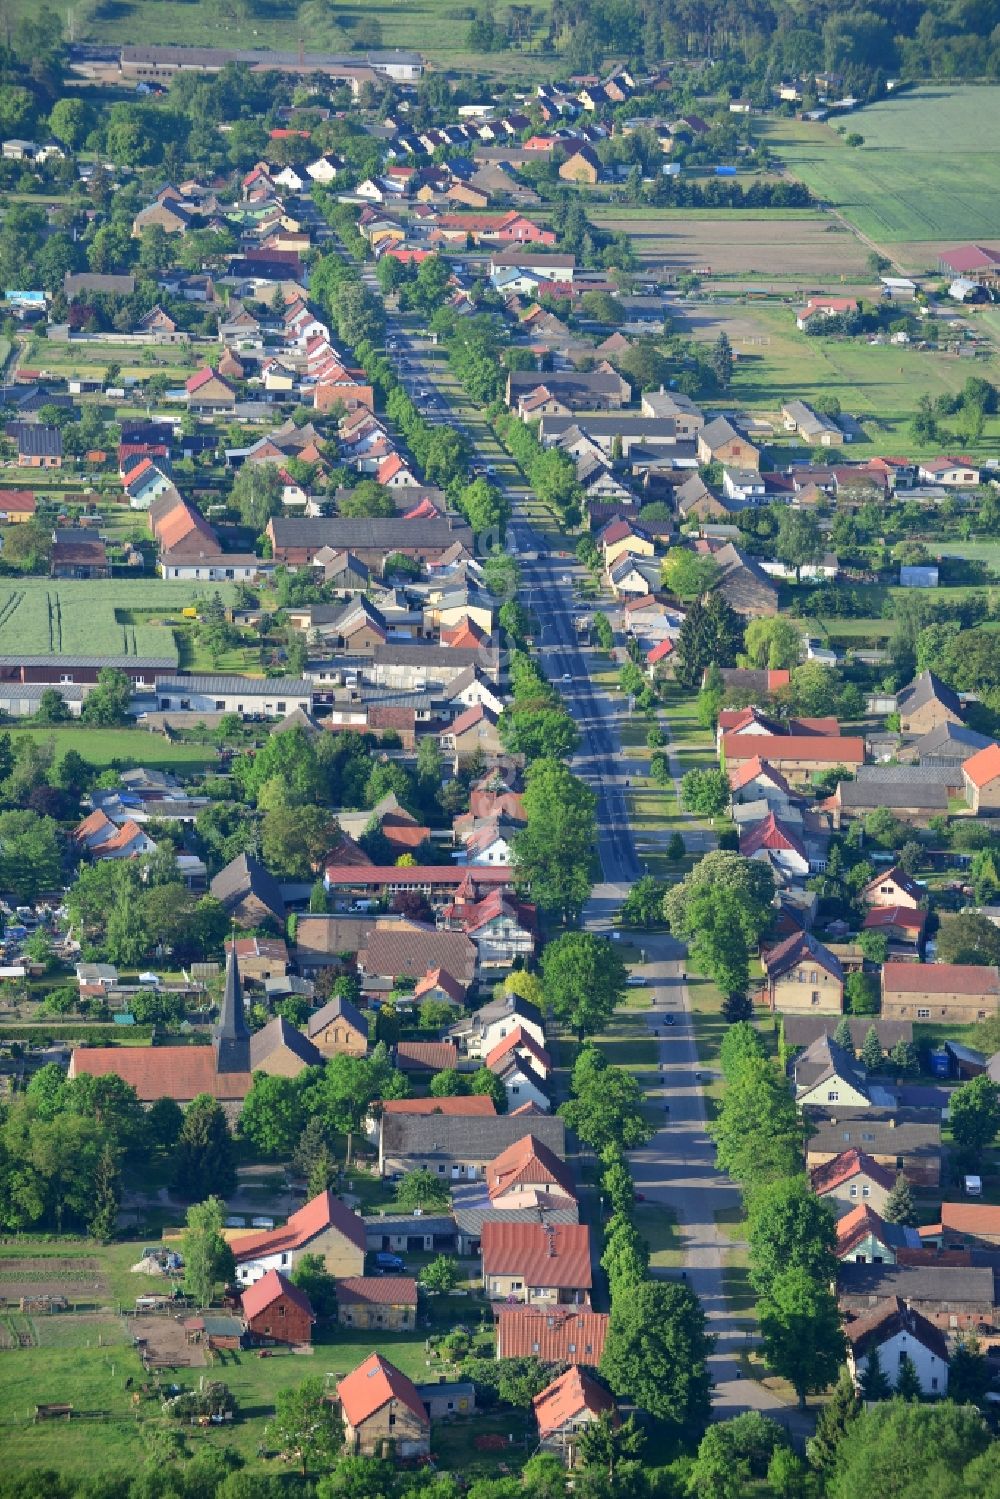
point(499, 793)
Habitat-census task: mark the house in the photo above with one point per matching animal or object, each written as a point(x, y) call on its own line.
point(893, 889)
point(780, 842)
point(898, 1332)
point(529, 1175)
point(744, 584)
point(282, 1051)
point(851, 1178)
point(275, 1311)
point(951, 1297)
point(822, 308)
point(338, 1026)
point(459, 1148)
point(758, 781)
point(425, 1056)
point(797, 756)
point(812, 426)
point(582, 166)
point(373, 1301)
point(478, 1034)
point(948, 746)
point(926, 703)
point(249, 892)
point(957, 993)
point(382, 1413)
point(965, 1225)
point(902, 925)
point(473, 732)
point(558, 1335)
point(17, 506)
point(539, 1264)
point(953, 473)
point(720, 442)
point(801, 976)
point(802, 1030)
point(827, 1074)
point(38, 446)
point(260, 958)
point(267, 697)
point(865, 1238)
point(913, 793)
point(981, 777)
point(408, 949)
point(324, 1226)
point(565, 1408)
point(208, 391)
point(597, 390)
point(907, 1140)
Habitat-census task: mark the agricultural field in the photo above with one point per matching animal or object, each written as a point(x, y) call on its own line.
point(43, 616)
point(880, 384)
point(927, 170)
point(803, 246)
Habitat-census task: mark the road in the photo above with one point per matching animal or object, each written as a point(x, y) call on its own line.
point(677, 1167)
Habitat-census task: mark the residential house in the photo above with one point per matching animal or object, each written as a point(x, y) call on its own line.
point(827, 1074)
point(981, 777)
point(408, 949)
point(260, 958)
point(926, 703)
point(853, 1178)
point(901, 1139)
point(529, 1175)
point(383, 1415)
point(425, 1056)
point(865, 1238)
point(956, 993)
point(597, 390)
point(267, 697)
point(209, 392)
point(582, 166)
point(17, 506)
point(249, 892)
point(780, 842)
point(952, 1297)
point(797, 756)
point(377, 1301)
point(324, 1226)
point(720, 442)
point(565, 1408)
point(559, 1335)
point(757, 780)
point(899, 1334)
point(275, 1311)
point(282, 1051)
point(953, 473)
point(744, 584)
point(474, 732)
point(895, 888)
point(964, 1225)
point(501, 927)
point(902, 925)
point(539, 1264)
point(478, 1034)
point(78, 554)
point(823, 307)
point(338, 1026)
point(461, 1148)
point(801, 976)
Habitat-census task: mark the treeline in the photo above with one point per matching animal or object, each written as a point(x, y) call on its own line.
point(550, 472)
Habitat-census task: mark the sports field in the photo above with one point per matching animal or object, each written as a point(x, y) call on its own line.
point(44, 616)
point(928, 169)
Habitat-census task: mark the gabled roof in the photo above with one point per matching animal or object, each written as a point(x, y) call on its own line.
point(911, 917)
point(887, 1319)
point(461, 1106)
point(824, 1060)
point(928, 688)
point(377, 1290)
point(556, 1255)
point(270, 1288)
point(898, 876)
point(984, 767)
point(244, 876)
point(758, 769)
point(566, 1398)
point(558, 1334)
point(426, 1056)
point(842, 1167)
point(771, 833)
point(280, 1033)
point(967, 979)
point(527, 1162)
point(323, 1212)
point(372, 1385)
point(817, 748)
point(520, 1040)
point(178, 1072)
point(336, 1009)
point(863, 1220)
point(802, 947)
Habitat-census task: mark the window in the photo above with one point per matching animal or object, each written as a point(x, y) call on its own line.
point(281, 1311)
point(570, 1347)
point(952, 1321)
point(392, 1419)
point(866, 1191)
point(923, 1014)
point(815, 996)
point(832, 1096)
point(934, 1383)
point(854, 1191)
point(220, 705)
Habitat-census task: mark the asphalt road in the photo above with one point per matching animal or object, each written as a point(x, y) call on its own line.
point(677, 1167)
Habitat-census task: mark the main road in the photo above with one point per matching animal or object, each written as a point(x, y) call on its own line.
point(677, 1167)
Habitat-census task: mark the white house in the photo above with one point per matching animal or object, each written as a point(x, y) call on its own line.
point(325, 168)
point(480, 1033)
point(898, 1332)
point(251, 697)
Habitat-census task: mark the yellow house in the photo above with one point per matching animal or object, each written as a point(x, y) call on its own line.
point(802, 977)
point(620, 539)
point(382, 1412)
point(372, 1301)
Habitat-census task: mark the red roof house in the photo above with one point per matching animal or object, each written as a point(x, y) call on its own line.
point(382, 1411)
point(275, 1311)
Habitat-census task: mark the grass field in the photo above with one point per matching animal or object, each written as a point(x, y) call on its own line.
point(42, 616)
point(89, 360)
point(927, 170)
point(131, 746)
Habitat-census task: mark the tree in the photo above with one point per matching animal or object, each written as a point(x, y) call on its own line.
point(52, 708)
point(721, 360)
point(705, 792)
point(688, 574)
point(912, 1451)
point(164, 1122)
point(367, 499)
point(799, 539)
point(442, 1274)
point(656, 1352)
point(899, 1205)
point(842, 1035)
point(257, 494)
point(969, 938)
point(736, 1007)
point(552, 852)
point(349, 1086)
point(750, 881)
point(305, 1426)
point(732, 1454)
point(873, 1381)
point(293, 839)
point(874, 946)
point(108, 703)
point(273, 1115)
point(871, 1050)
point(311, 1275)
point(718, 946)
point(584, 980)
point(758, 1133)
point(606, 1108)
point(801, 1331)
point(643, 906)
point(974, 1110)
point(968, 1371)
point(675, 848)
point(203, 1161)
point(447, 1084)
point(789, 1227)
point(835, 1420)
point(904, 1058)
point(486, 1083)
point(208, 1259)
point(772, 644)
point(606, 1444)
point(908, 1386)
point(861, 992)
point(107, 1195)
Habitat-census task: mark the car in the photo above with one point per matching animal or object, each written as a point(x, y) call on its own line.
point(668, 1020)
point(634, 980)
point(616, 936)
point(388, 1262)
point(567, 676)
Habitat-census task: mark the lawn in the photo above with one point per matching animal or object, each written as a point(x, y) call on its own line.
point(103, 747)
point(42, 616)
point(658, 1226)
point(927, 170)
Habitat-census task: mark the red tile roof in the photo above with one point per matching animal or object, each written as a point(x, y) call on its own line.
point(323, 1212)
point(983, 767)
point(771, 834)
point(426, 1056)
point(849, 1163)
point(754, 768)
point(178, 1072)
point(563, 1334)
point(971, 1218)
point(17, 501)
point(439, 978)
point(527, 1163)
point(857, 1225)
point(377, 1290)
point(566, 1397)
point(556, 1255)
point(371, 1385)
point(270, 1288)
point(940, 978)
point(465, 1106)
point(908, 916)
point(518, 1040)
point(817, 748)
point(662, 649)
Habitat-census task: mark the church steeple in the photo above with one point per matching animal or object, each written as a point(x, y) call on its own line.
point(231, 1037)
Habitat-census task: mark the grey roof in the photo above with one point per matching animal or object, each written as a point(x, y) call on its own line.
point(231, 1035)
point(166, 663)
point(246, 875)
point(336, 1009)
point(77, 281)
point(249, 686)
point(279, 1032)
point(742, 579)
point(926, 688)
point(440, 1225)
point(801, 1030)
point(720, 430)
point(602, 423)
point(350, 533)
point(947, 1284)
point(824, 1059)
point(867, 795)
point(446, 1138)
point(901, 1132)
point(405, 653)
point(906, 775)
point(472, 1208)
point(950, 739)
